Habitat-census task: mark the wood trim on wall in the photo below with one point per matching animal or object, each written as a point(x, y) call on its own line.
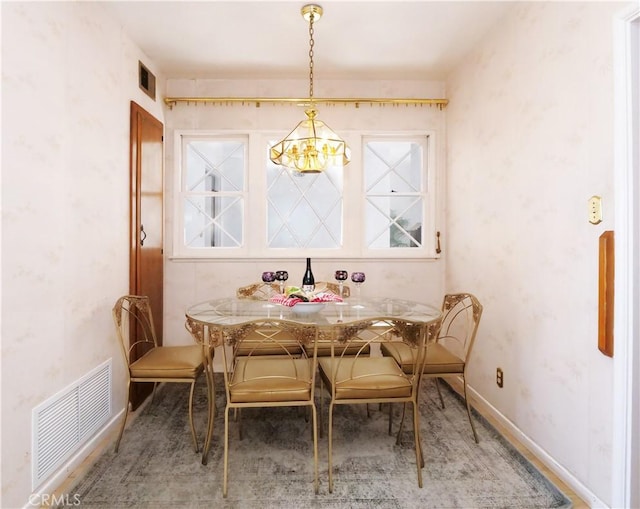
point(605, 293)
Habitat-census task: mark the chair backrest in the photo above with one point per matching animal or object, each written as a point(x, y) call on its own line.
point(263, 291)
point(258, 291)
point(461, 314)
point(356, 347)
point(134, 326)
point(283, 338)
point(334, 288)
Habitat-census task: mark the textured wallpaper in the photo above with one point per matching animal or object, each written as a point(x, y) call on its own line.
point(68, 75)
point(530, 139)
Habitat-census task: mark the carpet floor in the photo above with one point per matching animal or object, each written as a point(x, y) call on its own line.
point(272, 466)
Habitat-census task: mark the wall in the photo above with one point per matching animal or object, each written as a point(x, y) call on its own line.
point(530, 139)
point(188, 282)
point(68, 75)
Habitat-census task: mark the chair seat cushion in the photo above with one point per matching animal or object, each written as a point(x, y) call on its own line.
point(264, 379)
point(404, 355)
point(169, 362)
point(365, 377)
point(439, 359)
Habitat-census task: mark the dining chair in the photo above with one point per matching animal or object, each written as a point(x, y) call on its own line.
point(264, 291)
point(252, 380)
point(253, 344)
point(362, 378)
point(257, 291)
point(154, 363)
point(449, 355)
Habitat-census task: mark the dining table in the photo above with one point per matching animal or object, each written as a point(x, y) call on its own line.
point(326, 316)
point(229, 318)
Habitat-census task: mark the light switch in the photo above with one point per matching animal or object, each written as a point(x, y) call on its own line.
point(595, 209)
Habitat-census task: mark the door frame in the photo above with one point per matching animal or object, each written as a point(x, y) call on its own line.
point(626, 360)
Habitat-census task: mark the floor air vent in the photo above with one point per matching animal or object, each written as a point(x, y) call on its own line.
point(63, 422)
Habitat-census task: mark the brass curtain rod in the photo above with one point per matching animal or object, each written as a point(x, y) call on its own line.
point(172, 101)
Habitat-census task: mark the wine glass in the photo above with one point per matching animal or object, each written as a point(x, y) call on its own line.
point(282, 276)
point(341, 276)
point(358, 278)
point(269, 277)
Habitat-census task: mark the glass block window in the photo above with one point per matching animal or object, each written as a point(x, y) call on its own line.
point(395, 185)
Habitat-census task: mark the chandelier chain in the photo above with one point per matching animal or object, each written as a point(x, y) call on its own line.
point(311, 43)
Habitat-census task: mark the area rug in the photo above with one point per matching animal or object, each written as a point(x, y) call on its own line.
point(272, 466)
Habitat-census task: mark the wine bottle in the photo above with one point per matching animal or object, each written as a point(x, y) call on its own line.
point(308, 282)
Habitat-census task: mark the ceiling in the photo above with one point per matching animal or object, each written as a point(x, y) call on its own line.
point(409, 40)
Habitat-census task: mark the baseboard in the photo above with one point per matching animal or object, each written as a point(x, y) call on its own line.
point(45, 493)
point(487, 409)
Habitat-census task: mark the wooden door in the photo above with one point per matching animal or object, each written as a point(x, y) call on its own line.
point(147, 222)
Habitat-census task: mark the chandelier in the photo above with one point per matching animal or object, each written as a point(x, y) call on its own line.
point(312, 146)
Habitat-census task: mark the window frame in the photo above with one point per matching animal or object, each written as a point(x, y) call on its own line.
point(429, 195)
point(180, 249)
point(354, 202)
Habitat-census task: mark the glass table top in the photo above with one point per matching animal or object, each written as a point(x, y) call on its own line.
point(232, 311)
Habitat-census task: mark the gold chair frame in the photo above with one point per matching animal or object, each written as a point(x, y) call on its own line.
point(132, 315)
point(461, 313)
point(240, 371)
point(344, 371)
point(264, 291)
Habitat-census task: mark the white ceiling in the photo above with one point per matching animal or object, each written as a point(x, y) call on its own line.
point(412, 40)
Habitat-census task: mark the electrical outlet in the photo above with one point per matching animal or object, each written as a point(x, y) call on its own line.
point(499, 377)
